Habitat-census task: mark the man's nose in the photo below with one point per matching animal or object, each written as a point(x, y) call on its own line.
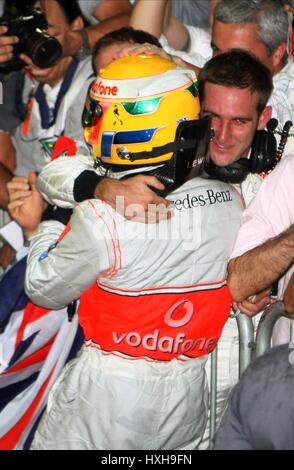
point(222, 132)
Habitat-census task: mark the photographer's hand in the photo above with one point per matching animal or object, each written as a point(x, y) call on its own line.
point(51, 75)
point(6, 45)
point(35, 71)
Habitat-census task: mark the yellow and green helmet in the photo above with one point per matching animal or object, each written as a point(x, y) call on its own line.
point(134, 108)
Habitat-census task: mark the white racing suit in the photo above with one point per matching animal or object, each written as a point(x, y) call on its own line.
point(154, 304)
point(56, 182)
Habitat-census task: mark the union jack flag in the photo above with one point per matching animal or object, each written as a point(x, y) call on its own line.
point(35, 343)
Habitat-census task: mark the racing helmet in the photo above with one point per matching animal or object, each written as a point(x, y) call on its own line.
point(135, 108)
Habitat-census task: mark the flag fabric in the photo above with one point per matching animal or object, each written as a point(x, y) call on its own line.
point(35, 343)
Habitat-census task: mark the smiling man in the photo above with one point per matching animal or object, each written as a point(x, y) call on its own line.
point(236, 104)
point(234, 120)
point(234, 89)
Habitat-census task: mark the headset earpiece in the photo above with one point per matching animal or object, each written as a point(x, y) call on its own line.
point(263, 149)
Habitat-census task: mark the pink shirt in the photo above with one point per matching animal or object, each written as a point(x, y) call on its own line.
point(270, 213)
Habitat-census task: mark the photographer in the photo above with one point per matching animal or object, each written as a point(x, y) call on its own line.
point(51, 101)
point(52, 97)
point(111, 14)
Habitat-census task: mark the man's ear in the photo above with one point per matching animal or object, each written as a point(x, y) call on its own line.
point(78, 23)
point(264, 118)
point(279, 54)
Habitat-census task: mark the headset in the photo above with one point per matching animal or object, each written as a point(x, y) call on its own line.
point(189, 150)
point(264, 156)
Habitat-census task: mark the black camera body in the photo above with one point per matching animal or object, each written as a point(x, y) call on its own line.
point(30, 25)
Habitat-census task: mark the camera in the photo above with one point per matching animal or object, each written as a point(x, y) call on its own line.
point(30, 25)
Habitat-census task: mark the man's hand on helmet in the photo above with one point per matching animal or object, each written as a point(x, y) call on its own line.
point(143, 49)
point(151, 49)
point(134, 198)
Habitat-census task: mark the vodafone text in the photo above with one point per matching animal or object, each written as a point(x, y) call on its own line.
point(168, 344)
point(104, 90)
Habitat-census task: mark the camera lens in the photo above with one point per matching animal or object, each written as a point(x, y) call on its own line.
point(43, 49)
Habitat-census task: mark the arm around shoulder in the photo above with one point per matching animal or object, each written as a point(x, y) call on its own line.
point(259, 268)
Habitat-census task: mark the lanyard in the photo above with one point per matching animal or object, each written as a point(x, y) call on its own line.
point(40, 97)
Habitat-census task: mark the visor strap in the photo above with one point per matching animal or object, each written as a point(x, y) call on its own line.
point(157, 151)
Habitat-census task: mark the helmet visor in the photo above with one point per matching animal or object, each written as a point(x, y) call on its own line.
point(92, 112)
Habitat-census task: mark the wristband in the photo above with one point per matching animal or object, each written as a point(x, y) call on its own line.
point(85, 185)
point(57, 213)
